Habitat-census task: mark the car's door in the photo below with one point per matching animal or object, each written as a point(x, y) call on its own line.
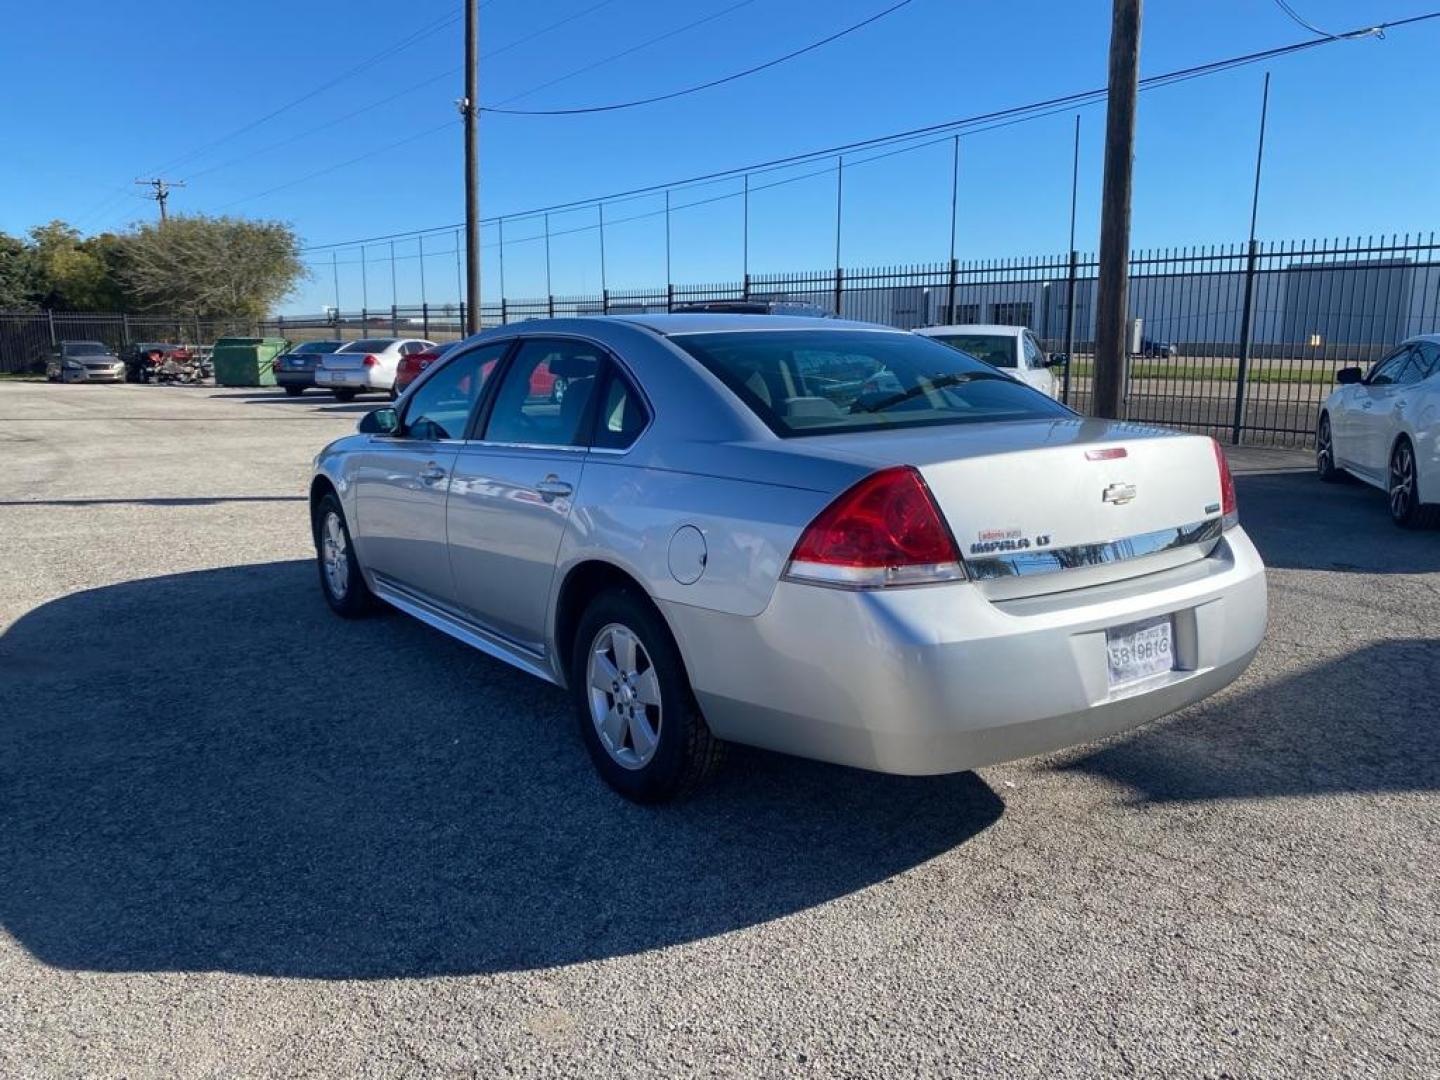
point(401, 480)
point(511, 495)
point(1371, 412)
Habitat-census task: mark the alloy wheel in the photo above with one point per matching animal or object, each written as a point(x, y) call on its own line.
point(623, 689)
point(1402, 481)
point(1324, 452)
point(335, 555)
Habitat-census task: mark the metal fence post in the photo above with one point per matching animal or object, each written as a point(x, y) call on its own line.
point(124, 328)
point(50, 315)
point(605, 301)
point(395, 320)
point(954, 281)
point(425, 319)
point(463, 323)
point(669, 297)
point(1247, 312)
point(1069, 326)
point(504, 311)
point(279, 328)
point(839, 288)
point(550, 303)
point(745, 288)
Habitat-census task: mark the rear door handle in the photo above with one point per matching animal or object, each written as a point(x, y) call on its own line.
point(553, 487)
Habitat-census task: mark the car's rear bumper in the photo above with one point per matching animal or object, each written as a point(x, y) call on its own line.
point(360, 379)
point(295, 378)
point(940, 679)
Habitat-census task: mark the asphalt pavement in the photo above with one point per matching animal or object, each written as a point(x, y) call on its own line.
point(240, 837)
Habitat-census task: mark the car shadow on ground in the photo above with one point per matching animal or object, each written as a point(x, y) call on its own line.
point(1362, 723)
point(1299, 523)
point(209, 771)
point(315, 400)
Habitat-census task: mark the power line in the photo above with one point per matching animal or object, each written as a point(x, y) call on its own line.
point(404, 43)
point(409, 89)
point(1295, 17)
point(997, 118)
point(626, 52)
point(614, 106)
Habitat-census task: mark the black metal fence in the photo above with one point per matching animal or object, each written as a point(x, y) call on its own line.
point(28, 338)
point(1240, 341)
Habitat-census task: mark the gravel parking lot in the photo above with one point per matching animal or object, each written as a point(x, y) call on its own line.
point(241, 838)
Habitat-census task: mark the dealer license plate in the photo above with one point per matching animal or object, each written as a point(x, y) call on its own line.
point(1139, 650)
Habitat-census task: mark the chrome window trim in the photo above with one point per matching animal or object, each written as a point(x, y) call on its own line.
point(1076, 556)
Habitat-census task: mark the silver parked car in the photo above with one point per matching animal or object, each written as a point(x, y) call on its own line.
point(364, 366)
point(821, 537)
point(85, 361)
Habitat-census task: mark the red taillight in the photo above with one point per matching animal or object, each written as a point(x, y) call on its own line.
point(370, 361)
point(1229, 508)
point(886, 530)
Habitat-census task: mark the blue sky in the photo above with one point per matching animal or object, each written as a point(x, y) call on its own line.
point(1352, 144)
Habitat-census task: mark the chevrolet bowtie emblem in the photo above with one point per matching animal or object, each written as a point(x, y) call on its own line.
point(1119, 494)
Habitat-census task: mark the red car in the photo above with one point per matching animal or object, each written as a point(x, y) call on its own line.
point(542, 383)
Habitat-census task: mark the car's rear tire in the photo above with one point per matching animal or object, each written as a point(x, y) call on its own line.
point(294, 391)
point(1403, 489)
point(1325, 452)
point(343, 394)
point(637, 715)
point(340, 578)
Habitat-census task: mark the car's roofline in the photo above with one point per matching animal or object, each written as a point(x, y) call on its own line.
point(995, 329)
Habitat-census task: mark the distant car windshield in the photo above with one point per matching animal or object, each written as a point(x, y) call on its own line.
point(378, 344)
point(997, 350)
point(822, 382)
point(85, 348)
point(317, 346)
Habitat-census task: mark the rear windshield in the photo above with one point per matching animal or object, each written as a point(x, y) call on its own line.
point(818, 382)
point(997, 350)
point(379, 344)
point(317, 346)
point(84, 348)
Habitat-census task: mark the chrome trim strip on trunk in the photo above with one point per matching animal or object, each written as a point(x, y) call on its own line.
point(1054, 560)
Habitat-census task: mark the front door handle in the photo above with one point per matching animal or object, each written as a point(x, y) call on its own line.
point(553, 487)
point(432, 473)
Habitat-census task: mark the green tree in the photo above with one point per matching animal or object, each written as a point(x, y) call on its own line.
point(17, 274)
point(74, 274)
point(211, 267)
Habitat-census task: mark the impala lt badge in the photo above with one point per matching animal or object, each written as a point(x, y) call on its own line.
point(1119, 494)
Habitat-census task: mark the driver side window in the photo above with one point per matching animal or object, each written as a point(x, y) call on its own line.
point(440, 407)
point(1387, 372)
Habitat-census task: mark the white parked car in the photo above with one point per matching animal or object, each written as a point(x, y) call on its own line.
point(1383, 427)
point(366, 366)
point(1013, 349)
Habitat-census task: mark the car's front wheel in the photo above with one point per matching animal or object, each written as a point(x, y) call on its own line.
point(340, 578)
point(1325, 452)
point(636, 712)
point(1406, 509)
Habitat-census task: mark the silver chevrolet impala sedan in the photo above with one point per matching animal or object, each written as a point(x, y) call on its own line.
point(827, 538)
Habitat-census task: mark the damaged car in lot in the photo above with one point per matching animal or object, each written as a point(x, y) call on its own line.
point(705, 543)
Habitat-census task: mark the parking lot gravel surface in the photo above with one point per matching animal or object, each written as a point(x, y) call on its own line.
point(239, 837)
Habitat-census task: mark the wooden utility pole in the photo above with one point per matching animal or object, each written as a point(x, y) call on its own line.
point(470, 110)
point(1113, 285)
point(162, 192)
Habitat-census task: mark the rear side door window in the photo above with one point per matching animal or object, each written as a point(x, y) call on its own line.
point(545, 396)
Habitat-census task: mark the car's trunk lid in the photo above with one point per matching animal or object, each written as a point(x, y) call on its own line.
point(1032, 504)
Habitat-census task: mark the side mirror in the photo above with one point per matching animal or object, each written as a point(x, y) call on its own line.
point(1059, 359)
point(1349, 376)
point(384, 421)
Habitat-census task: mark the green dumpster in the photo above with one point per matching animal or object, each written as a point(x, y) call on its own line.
point(247, 361)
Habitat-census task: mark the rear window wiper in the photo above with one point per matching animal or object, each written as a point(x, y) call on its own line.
point(937, 382)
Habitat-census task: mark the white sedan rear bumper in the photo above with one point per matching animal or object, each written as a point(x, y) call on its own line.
point(372, 378)
point(941, 679)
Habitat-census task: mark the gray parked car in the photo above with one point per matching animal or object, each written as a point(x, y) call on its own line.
point(822, 537)
point(85, 361)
